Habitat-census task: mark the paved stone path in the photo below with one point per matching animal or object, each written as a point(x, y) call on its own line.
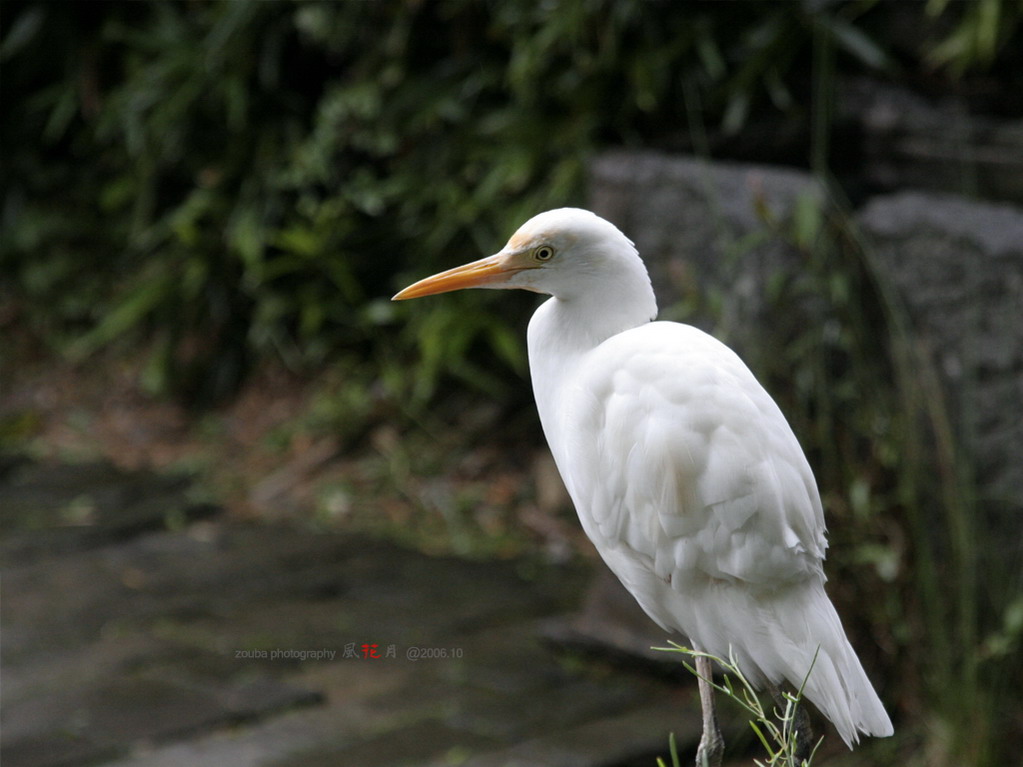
point(141, 629)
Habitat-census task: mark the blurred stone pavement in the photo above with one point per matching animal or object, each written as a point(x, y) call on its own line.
point(141, 629)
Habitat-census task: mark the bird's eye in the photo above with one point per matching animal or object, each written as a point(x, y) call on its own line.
point(543, 253)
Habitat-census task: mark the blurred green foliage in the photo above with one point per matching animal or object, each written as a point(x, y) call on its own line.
point(233, 180)
point(976, 36)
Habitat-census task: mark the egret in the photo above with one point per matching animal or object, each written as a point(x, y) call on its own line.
point(684, 473)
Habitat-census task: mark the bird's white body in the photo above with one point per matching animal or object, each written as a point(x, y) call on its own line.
point(712, 521)
point(685, 474)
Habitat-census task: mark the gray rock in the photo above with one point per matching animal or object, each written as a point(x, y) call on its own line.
point(940, 145)
point(956, 267)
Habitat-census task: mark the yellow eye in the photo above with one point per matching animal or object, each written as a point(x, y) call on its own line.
point(543, 253)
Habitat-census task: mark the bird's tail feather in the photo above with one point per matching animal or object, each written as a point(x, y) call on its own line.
point(798, 638)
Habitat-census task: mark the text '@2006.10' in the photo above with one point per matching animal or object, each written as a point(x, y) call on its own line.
point(425, 653)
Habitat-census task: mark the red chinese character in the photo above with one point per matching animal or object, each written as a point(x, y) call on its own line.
point(370, 651)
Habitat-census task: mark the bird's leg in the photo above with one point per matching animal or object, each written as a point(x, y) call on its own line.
point(804, 735)
point(712, 745)
point(800, 725)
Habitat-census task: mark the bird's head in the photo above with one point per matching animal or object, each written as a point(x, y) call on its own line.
point(557, 252)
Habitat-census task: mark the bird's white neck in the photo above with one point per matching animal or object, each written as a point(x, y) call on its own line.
point(565, 328)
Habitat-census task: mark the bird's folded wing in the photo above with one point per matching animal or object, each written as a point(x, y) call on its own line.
point(690, 464)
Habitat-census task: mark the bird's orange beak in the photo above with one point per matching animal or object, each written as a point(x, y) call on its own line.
point(487, 272)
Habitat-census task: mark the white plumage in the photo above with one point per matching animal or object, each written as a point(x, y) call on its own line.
point(685, 474)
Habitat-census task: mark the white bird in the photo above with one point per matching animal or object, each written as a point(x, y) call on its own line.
point(684, 473)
